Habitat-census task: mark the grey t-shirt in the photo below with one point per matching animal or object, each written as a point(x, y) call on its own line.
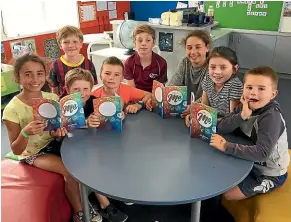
point(231, 90)
point(187, 75)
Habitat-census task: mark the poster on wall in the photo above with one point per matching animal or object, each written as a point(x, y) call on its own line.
point(3, 55)
point(30, 43)
point(287, 9)
point(18, 49)
point(51, 48)
point(166, 41)
point(21, 47)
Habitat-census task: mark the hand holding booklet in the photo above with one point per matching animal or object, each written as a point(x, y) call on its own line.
point(68, 113)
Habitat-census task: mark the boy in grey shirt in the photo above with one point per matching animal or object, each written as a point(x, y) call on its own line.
point(259, 117)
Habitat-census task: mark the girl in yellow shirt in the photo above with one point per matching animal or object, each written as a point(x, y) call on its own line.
point(28, 140)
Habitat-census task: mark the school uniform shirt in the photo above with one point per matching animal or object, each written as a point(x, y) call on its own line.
point(231, 90)
point(60, 67)
point(143, 78)
point(190, 76)
point(126, 92)
point(20, 113)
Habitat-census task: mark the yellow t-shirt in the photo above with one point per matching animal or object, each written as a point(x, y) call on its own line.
point(18, 112)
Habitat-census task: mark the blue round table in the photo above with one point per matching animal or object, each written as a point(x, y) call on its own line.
point(153, 161)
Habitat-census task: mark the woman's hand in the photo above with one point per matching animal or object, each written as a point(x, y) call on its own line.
point(60, 132)
point(93, 121)
point(133, 108)
point(218, 142)
point(35, 127)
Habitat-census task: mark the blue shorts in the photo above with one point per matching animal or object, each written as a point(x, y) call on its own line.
point(254, 184)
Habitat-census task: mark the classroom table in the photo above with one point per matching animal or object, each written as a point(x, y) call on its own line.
point(153, 161)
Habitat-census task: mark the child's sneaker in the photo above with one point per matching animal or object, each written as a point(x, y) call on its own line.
point(113, 215)
point(128, 203)
point(94, 216)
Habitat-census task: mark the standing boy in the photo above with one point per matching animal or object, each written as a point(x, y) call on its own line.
point(70, 40)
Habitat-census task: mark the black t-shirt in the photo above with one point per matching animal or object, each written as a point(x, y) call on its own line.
point(88, 107)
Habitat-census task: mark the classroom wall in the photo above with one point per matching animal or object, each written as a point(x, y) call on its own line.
point(229, 17)
point(150, 9)
point(86, 29)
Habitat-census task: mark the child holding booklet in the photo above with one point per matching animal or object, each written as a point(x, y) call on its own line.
point(28, 140)
point(259, 117)
point(112, 71)
point(222, 90)
point(82, 81)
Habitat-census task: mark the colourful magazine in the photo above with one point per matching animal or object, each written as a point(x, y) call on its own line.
point(109, 109)
point(169, 101)
point(203, 121)
point(68, 113)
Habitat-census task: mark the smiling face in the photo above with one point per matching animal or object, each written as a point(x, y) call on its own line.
point(144, 43)
point(32, 76)
point(71, 45)
point(112, 76)
point(258, 90)
point(196, 50)
point(220, 70)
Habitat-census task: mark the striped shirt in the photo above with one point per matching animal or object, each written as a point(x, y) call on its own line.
point(190, 76)
point(231, 90)
point(60, 67)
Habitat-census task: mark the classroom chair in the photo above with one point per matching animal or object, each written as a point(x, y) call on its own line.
point(30, 194)
point(271, 207)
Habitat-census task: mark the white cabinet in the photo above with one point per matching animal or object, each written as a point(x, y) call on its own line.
point(282, 55)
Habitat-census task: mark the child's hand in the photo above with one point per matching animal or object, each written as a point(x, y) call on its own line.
point(188, 120)
point(122, 115)
point(133, 108)
point(60, 132)
point(218, 142)
point(246, 111)
point(93, 121)
point(149, 104)
point(186, 112)
point(35, 127)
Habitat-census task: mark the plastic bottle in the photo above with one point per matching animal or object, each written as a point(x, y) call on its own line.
point(210, 11)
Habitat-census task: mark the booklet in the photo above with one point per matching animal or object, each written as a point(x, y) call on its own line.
point(203, 121)
point(68, 113)
point(109, 109)
point(169, 101)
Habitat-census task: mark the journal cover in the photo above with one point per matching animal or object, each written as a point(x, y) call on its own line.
point(169, 101)
point(68, 113)
point(203, 121)
point(109, 109)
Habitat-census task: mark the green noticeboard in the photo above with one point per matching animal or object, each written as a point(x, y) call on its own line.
point(236, 16)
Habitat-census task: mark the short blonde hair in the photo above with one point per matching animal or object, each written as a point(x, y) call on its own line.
point(69, 30)
point(78, 74)
point(143, 28)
